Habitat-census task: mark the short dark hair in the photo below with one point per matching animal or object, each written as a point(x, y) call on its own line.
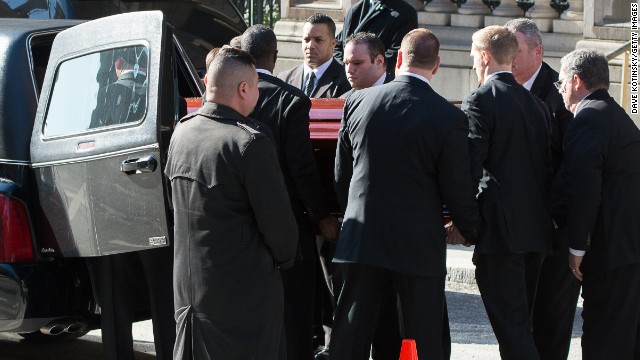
point(420, 48)
point(374, 44)
point(590, 65)
point(320, 18)
point(260, 42)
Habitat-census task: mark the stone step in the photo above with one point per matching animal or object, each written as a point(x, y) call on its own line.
point(460, 268)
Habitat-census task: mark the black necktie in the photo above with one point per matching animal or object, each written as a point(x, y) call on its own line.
point(308, 88)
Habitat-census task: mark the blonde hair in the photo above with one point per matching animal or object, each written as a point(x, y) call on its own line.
point(498, 41)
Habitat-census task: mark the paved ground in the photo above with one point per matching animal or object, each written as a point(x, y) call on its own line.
point(471, 332)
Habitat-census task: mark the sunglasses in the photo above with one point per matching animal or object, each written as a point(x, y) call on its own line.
point(558, 84)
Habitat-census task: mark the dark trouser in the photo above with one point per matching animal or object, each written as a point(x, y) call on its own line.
point(507, 284)
point(325, 299)
point(611, 314)
point(421, 305)
point(116, 284)
point(555, 307)
point(386, 341)
point(299, 294)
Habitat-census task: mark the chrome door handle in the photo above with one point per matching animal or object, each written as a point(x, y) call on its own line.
point(140, 165)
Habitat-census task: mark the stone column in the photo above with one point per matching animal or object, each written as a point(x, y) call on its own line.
point(572, 20)
point(575, 11)
point(437, 12)
point(508, 8)
point(440, 6)
point(542, 10)
point(474, 7)
point(543, 14)
point(470, 14)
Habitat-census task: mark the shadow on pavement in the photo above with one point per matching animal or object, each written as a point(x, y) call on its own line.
point(13, 347)
point(468, 319)
point(469, 322)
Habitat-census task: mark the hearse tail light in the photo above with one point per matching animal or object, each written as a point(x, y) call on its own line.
point(15, 234)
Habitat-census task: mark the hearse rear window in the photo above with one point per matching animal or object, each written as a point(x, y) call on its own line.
point(102, 89)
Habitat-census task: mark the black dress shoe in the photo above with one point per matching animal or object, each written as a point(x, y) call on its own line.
point(322, 354)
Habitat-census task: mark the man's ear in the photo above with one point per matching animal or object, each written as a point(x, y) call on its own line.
point(579, 84)
point(205, 79)
point(435, 68)
point(334, 42)
point(242, 89)
point(399, 60)
point(486, 57)
point(539, 51)
point(379, 60)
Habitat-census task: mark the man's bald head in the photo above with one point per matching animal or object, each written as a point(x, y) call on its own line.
point(420, 48)
point(231, 74)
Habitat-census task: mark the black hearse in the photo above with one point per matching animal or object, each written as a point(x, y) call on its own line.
point(74, 182)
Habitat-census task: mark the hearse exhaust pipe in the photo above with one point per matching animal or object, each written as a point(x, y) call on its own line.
point(58, 327)
point(52, 329)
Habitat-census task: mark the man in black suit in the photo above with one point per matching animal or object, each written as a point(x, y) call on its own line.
point(557, 292)
point(321, 76)
point(511, 161)
point(365, 66)
point(285, 111)
point(234, 227)
point(601, 170)
point(400, 153)
point(390, 20)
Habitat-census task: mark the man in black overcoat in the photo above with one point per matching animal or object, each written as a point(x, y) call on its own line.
point(601, 170)
point(557, 293)
point(400, 157)
point(234, 228)
point(390, 20)
point(320, 76)
point(284, 109)
point(510, 159)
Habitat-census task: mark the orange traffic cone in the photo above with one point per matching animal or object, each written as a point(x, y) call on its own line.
point(408, 350)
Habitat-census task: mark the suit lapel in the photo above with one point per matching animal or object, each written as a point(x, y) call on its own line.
point(380, 8)
point(327, 79)
point(297, 77)
point(539, 86)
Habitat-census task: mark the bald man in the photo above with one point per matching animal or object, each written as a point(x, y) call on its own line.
point(418, 142)
point(234, 227)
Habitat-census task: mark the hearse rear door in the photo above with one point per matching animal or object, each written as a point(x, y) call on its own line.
point(96, 145)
